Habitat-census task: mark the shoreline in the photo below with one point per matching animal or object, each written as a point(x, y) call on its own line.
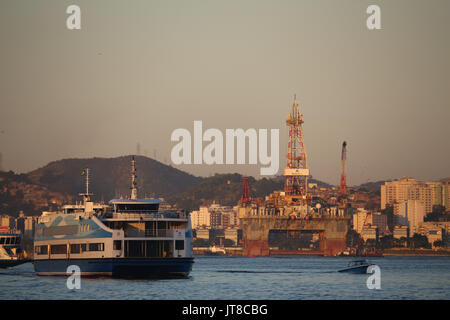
point(386, 253)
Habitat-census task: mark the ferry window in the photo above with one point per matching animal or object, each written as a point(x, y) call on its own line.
point(83, 247)
point(41, 249)
point(2, 240)
point(117, 245)
point(179, 244)
point(75, 248)
point(58, 249)
point(17, 240)
point(96, 247)
point(123, 207)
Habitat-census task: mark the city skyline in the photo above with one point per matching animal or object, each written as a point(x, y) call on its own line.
point(134, 73)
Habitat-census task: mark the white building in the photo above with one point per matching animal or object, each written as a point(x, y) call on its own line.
point(396, 192)
point(360, 218)
point(367, 218)
point(200, 218)
point(411, 213)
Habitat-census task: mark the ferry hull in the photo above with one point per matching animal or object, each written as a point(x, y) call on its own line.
point(8, 263)
point(118, 267)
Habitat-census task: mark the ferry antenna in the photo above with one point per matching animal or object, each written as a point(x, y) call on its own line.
point(86, 195)
point(133, 179)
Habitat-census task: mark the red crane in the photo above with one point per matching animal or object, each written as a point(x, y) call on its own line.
point(245, 198)
point(343, 188)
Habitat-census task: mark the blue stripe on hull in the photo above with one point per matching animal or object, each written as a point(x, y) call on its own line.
point(119, 267)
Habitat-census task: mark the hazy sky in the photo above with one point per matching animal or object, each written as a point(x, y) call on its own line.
point(137, 70)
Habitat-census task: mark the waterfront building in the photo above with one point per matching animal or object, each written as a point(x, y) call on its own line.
point(369, 232)
point(215, 216)
point(401, 232)
point(363, 218)
point(446, 194)
point(234, 235)
point(200, 218)
point(429, 193)
point(203, 234)
point(360, 218)
point(380, 221)
point(434, 231)
point(216, 219)
point(411, 213)
point(7, 221)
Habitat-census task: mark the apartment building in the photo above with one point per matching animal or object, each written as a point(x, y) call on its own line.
point(429, 193)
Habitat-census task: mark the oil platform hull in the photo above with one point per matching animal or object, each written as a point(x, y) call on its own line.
point(332, 231)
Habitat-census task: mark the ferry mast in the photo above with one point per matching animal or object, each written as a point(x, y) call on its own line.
point(86, 196)
point(297, 171)
point(133, 179)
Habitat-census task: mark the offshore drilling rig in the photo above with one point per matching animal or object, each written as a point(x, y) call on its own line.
point(289, 213)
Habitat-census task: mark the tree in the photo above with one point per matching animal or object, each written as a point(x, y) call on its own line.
point(353, 238)
point(419, 241)
point(389, 212)
point(371, 243)
point(387, 242)
point(397, 243)
point(438, 243)
point(438, 214)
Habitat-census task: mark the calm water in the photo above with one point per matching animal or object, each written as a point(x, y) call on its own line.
point(284, 277)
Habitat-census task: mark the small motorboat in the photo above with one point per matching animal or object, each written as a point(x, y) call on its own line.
point(357, 266)
point(215, 251)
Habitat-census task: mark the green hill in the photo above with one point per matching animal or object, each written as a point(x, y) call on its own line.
point(60, 182)
point(110, 177)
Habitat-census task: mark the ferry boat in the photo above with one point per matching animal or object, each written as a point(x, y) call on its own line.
point(128, 238)
point(11, 253)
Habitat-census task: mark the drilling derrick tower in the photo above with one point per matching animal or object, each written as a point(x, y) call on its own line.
point(297, 171)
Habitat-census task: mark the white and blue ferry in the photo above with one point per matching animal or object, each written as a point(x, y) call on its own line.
point(11, 253)
point(128, 238)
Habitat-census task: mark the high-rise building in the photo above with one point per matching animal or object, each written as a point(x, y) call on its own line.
point(411, 213)
point(200, 218)
point(360, 218)
point(380, 221)
point(446, 194)
point(215, 219)
point(363, 218)
point(396, 192)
